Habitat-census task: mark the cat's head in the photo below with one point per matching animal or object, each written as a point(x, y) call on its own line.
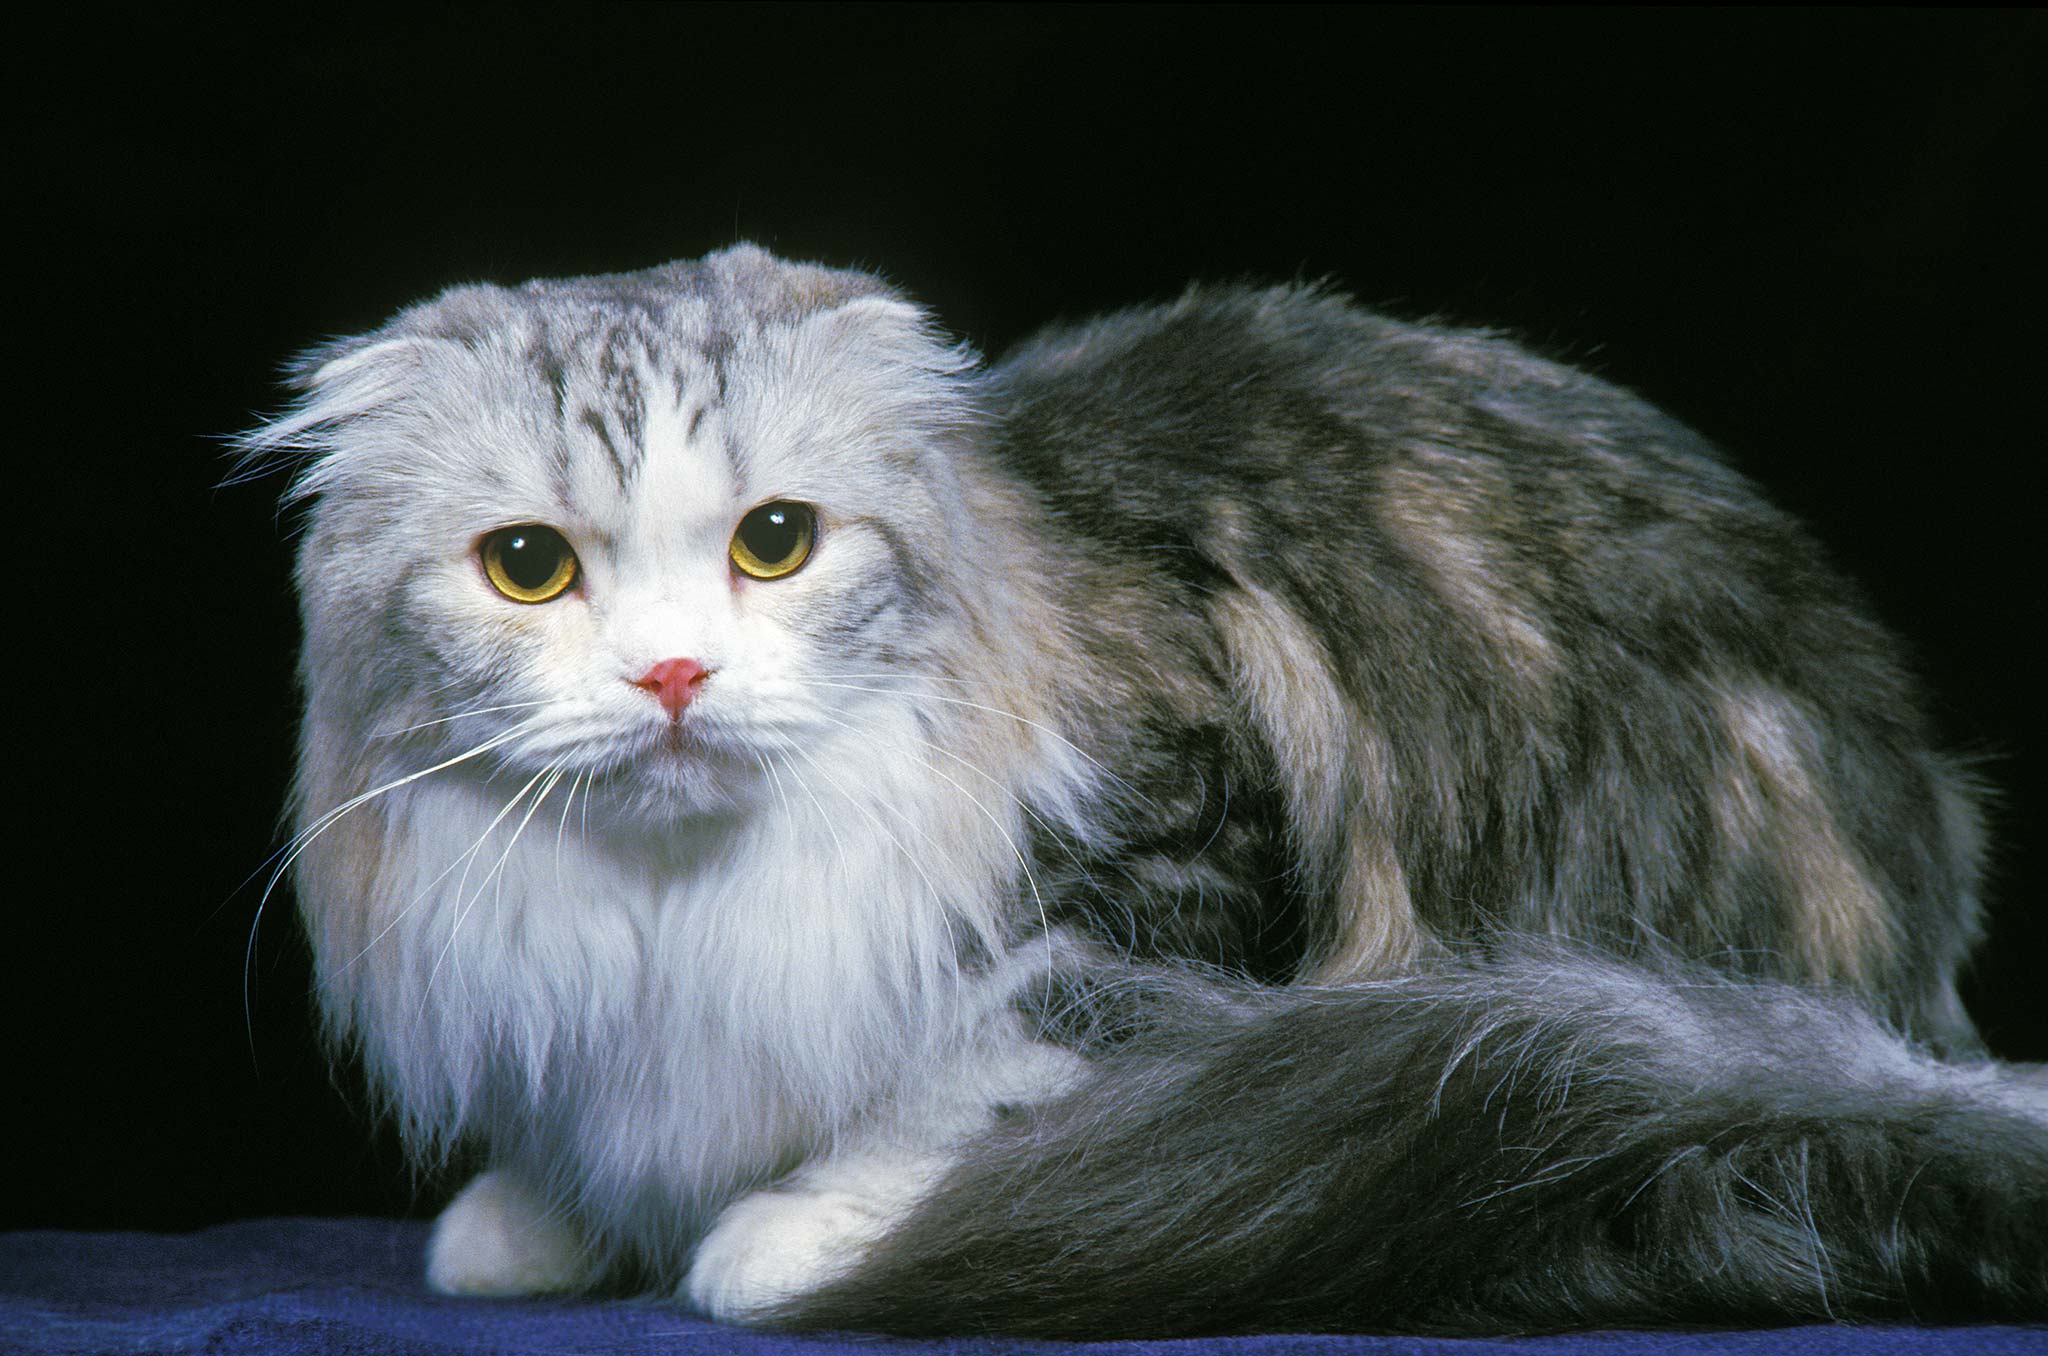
point(653, 529)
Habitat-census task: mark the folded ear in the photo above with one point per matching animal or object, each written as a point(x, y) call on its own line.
point(339, 383)
point(897, 331)
point(331, 364)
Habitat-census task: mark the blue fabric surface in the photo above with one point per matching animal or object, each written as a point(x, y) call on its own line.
point(353, 1286)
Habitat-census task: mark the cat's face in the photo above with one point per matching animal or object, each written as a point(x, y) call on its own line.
point(657, 544)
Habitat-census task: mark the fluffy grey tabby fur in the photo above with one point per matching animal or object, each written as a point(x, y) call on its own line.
point(1246, 814)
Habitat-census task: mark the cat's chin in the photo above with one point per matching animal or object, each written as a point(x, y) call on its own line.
point(674, 778)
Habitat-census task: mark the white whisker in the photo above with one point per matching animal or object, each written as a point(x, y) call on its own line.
point(553, 774)
point(824, 816)
point(305, 837)
point(768, 771)
point(880, 827)
point(1023, 863)
point(461, 715)
point(466, 856)
point(568, 804)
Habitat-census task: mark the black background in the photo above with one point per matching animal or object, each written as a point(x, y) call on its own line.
point(1810, 234)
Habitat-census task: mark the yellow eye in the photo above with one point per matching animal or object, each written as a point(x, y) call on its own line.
point(775, 539)
point(528, 563)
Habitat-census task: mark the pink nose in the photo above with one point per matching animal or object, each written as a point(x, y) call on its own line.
point(673, 682)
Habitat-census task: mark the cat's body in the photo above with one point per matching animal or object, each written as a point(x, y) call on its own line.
point(1208, 832)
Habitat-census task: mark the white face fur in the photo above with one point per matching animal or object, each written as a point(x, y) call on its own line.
point(645, 443)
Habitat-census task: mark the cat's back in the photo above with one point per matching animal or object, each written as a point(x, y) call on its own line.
point(1268, 391)
point(1570, 671)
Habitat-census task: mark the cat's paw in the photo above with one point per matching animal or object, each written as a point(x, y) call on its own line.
point(775, 1245)
point(498, 1238)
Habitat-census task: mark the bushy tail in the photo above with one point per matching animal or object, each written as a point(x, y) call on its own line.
point(1545, 1144)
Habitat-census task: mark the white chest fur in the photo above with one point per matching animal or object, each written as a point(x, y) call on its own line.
point(647, 1024)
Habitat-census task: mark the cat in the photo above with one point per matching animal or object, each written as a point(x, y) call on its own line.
point(1246, 814)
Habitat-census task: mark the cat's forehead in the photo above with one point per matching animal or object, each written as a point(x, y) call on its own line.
point(694, 384)
point(692, 370)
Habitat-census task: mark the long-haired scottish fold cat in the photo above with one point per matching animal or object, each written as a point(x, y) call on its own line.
point(1247, 814)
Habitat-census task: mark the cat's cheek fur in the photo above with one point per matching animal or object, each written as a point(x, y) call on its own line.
point(499, 1238)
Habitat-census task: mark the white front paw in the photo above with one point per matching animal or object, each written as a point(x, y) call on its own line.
point(499, 1238)
point(775, 1245)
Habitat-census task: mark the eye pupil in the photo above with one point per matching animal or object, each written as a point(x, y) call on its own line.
point(529, 563)
point(768, 537)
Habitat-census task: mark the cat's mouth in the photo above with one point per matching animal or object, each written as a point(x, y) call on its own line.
point(672, 772)
point(670, 743)
point(687, 743)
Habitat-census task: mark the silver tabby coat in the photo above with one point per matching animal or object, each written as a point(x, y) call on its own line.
point(1246, 814)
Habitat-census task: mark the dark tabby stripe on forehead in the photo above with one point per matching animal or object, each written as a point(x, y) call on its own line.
point(625, 408)
point(623, 460)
